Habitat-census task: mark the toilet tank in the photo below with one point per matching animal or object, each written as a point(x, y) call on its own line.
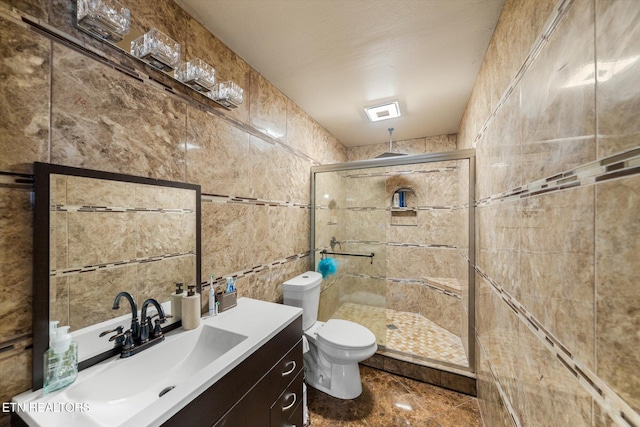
point(304, 291)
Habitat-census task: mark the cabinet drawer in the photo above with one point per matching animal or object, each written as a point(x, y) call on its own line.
point(297, 417)
point(243, 392)
point(286, 370)
point(287, 410)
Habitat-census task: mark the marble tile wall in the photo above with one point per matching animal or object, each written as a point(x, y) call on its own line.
point(429, 144)
point(61, 106)
point(557, 225)
point(24, 128)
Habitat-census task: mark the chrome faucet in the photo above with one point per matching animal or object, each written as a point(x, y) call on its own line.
point(144, 327)
point(135, 325)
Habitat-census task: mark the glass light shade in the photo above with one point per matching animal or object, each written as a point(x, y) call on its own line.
point(227, 93)
point(106, 19)
point(158, 49)
point(197, 74)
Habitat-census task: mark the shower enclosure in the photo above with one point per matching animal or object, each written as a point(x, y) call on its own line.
point(402, 232)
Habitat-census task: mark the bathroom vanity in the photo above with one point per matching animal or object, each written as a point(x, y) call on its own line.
point(240, 368)
point(264, 390)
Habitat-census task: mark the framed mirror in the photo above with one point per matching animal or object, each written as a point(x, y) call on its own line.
point(97, 234)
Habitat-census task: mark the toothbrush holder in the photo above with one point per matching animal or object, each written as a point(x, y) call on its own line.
point(227, 300)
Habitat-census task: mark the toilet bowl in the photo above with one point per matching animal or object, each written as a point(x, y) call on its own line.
point(335, 346)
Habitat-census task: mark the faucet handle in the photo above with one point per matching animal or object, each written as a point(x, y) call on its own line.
point(163, 319)
point(157, 329)
point(117, 330)
point(118, 337)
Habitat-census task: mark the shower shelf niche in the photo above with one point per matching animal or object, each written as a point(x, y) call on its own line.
point(403, 211)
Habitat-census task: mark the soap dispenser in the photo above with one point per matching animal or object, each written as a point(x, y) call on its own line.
point(60, 361)
point(191, 309)
point(176, 302)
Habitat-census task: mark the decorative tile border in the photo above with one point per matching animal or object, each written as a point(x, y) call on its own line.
point(86, 208)
point(220, 280)
point(607, 399)
point(115, 264)
point(445, 283)
point(16, 180)
point(420, 282)
point(396, 244)
point(217, 198)
point(616, 166)
point(549, 28)
point(15, 345)
point(406, 281)
point(394, 209)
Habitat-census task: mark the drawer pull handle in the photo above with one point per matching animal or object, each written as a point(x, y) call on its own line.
point(293, 362)
point(286, 408)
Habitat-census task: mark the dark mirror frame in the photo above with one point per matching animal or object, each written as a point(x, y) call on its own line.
point(41, 260)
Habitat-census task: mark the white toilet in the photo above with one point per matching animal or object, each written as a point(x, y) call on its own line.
point(335, 346)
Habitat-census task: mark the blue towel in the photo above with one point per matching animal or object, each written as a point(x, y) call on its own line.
point(327, 267)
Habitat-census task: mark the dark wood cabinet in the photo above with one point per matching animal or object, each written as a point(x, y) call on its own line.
point(284, 411)
point(264, 390)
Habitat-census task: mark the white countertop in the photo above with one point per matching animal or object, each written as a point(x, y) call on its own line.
point(259, 321)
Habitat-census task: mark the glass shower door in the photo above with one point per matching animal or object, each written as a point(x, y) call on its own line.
point(415, 216)
point(350, 222)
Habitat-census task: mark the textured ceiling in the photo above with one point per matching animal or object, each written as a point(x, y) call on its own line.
point(334, 57)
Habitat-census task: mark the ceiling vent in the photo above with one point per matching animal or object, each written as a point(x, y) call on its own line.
point(386, 111)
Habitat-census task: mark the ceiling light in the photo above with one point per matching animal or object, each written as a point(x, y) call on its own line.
point(383, 112)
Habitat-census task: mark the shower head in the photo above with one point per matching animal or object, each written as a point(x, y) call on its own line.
point(390, 153)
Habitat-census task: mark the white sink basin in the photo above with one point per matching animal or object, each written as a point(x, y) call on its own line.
point(124, 386)
point(148, 388)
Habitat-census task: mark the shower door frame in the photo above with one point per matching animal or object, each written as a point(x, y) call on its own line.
point(466, 154)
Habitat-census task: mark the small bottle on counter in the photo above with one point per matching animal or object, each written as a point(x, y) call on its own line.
point(191, 309)
point(212, 298)
point(176, 302)
point(60, 361)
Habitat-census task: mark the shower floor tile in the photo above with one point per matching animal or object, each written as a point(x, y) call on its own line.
point(414, 334)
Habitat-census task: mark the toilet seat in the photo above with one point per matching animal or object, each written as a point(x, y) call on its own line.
point(344, 334)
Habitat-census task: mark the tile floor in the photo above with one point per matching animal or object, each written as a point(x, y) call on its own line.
point(388, 400)
point(415, 334)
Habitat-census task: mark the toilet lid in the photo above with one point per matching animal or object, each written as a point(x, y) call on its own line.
point(344, 333)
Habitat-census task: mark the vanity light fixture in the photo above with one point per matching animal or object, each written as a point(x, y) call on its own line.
point(197, 74)
point(229, 95)
point(157, 49)
point(386, 111)
point(106, 19)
